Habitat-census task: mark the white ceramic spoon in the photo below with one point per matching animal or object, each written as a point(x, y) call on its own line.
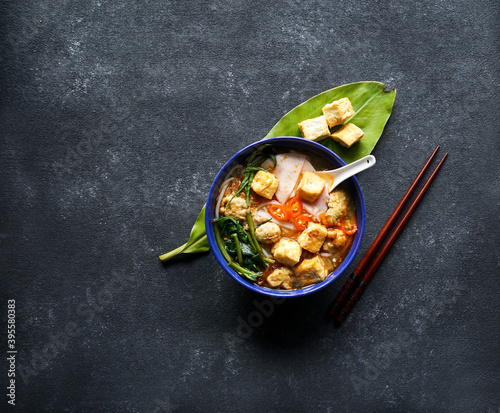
point(339, 175)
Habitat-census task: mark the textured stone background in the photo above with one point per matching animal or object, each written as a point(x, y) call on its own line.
point(116, 117)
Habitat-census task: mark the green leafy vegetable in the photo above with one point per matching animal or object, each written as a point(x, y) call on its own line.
point(235, 243)
point(198, 241)
point(373, 106)
point(241, 244)
point(230, 226)
point(238, 248)
point(371, 102)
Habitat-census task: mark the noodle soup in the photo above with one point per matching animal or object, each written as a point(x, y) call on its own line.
point(277, 225)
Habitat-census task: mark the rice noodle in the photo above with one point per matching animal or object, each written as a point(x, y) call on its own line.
point(308, 208)
point(311, 210)
point(287, 226)
point(264, 214)
point(266, 252)
point(221, 195)
point(265, 204)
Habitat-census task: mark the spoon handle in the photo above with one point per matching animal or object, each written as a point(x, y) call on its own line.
point(353, 168)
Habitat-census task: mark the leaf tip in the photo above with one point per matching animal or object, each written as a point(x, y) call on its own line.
point(388, 89)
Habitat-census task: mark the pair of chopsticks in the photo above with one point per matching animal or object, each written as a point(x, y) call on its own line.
point(359, 279)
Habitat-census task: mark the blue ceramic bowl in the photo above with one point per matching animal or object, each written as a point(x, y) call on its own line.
point(286, 143)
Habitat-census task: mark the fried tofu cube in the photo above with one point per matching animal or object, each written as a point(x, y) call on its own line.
point(337, 112)
point(265, 184)
point(268, 233)
point(314, 129)
point(311, 271)
point(312, 238)
point(287, 252)
point(281, 277)
point(348, 135)
point(310, 187)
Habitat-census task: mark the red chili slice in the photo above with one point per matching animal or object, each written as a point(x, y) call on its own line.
point(295, 206)
point(279, 212)
point(301, 222)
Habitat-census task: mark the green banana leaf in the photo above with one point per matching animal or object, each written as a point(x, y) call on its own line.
point(372, 105)
point(198, 240)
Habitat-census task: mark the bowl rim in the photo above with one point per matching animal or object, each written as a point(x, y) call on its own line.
point(284, 141)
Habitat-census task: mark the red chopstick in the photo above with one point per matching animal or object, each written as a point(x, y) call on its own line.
point(355, 277)
point(365, 280)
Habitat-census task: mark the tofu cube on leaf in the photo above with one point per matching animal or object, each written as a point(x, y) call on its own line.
point(348, 135)
point(314, 129)
point(337, 112)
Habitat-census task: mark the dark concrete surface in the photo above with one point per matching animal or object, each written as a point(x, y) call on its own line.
point(116, 117)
